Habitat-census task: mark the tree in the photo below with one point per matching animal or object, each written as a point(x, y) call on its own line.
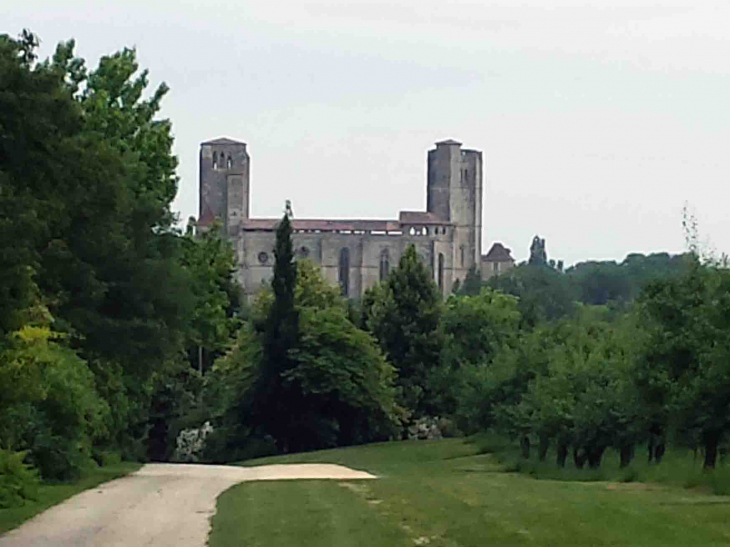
point(472, 283)
point(87, 179)
point(338, 389)
point(274, 404)
point(474, 330)
point(685, 375)
point(404, 318)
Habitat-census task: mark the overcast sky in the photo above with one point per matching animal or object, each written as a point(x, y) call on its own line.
point(598, 119)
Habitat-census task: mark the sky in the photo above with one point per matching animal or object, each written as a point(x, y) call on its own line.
point(598, 119)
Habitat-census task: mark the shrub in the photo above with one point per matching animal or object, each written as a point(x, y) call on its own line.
point(18, 481)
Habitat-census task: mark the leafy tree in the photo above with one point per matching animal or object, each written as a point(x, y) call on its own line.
point(474, 330)
point(404, 317)
point(472, 283)
point(210, 261)
point(87, 178)
point(685, 375)
point(49, 405)
point(337, 391)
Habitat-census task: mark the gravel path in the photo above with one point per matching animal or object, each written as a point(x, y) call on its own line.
point(161, 505)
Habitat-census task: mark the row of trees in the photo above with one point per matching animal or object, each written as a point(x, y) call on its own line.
point(520, 355)
point(104, 305)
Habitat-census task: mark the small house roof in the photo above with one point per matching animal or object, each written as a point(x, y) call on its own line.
point(498, 253)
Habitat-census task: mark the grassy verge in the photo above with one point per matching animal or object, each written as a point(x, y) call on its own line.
point(447, 493)
point(52, 494)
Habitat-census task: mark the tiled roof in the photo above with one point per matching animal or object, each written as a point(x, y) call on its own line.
point(323, 225)
point(420, 217)
point(498, 253)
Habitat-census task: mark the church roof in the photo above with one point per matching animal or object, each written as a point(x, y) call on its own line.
point(420, 217)
point(323, 225)
point(222, 140)
point(498, 253)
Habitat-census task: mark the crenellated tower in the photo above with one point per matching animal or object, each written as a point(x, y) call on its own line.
point(224, 183)
point(454, 194)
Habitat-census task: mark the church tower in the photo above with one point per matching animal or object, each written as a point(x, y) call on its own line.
point(224, 183)
point(454, 194)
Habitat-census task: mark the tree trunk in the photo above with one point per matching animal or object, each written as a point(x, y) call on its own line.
point(659, 451)
point(543, 448)
point(525, 446)
point(711, 441)
point(579, 458)
point(595, 455)
point(562, 454)
point(627, 454)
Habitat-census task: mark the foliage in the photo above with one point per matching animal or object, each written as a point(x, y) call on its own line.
point(336, 390)
point(472, 283)
point(18, 481)
point(685, 374)
point(403, 315)
point(544, 294)
point(474, 330)
point(49, 404)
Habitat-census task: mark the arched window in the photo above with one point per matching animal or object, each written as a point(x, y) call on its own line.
point(384, 264)
point(412, 231)
point(229, 162)
point(344, 274)
point(215, 160)
point(424, 231)
point(441, 272)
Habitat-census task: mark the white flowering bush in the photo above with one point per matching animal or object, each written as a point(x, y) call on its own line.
point(190, 443)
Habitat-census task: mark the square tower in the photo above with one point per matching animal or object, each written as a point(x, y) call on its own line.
point(224, 183)
point(454, 194)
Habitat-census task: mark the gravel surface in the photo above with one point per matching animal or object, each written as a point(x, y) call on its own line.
point(161, 505)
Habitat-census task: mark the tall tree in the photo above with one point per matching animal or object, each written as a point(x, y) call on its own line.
point(273, 401)
point(405, 319)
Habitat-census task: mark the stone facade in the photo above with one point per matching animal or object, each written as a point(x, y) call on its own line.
point(354, 253)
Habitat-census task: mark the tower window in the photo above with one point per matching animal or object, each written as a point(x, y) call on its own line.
point(384, 264)
point(229, 162)
point(344, 273)
point(441, 272)
point(215, 160)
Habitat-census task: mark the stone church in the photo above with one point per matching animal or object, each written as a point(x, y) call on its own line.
point(353, 253)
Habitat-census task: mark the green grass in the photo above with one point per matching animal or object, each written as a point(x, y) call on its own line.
point(447, 493)
point(51, 494)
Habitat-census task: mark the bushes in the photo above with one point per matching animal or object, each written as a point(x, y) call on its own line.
point(49, 404)
point(18, 481)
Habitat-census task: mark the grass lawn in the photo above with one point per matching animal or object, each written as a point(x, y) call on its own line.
point(52, 494)
point(444, 493)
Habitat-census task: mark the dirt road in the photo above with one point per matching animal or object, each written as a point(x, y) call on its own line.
point(161, 505)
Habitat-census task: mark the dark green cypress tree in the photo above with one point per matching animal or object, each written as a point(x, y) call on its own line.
point(276, 402)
